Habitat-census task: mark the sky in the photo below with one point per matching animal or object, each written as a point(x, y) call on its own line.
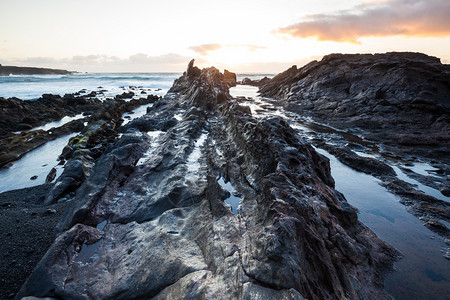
point(255, 36)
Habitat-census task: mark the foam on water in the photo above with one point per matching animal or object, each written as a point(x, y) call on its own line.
point(30, 87)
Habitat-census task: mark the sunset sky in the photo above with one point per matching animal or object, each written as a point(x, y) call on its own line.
point(242, 36)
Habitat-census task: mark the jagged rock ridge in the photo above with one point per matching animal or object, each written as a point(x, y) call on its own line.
point(151, 222)
point(399, 99)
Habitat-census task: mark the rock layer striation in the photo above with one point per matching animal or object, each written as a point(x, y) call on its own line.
point(152, 220)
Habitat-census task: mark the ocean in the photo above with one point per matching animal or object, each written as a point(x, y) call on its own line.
point(31, 87)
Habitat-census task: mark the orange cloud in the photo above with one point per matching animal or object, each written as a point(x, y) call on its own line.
point(420, 18)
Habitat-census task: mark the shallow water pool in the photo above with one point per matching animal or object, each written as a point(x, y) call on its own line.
point(38, 163)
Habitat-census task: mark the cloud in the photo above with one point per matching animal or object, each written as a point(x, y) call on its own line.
point(419, 18)
point(140, 62)
point(204, 49)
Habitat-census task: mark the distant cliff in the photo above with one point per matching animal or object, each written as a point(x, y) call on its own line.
point(7, 70)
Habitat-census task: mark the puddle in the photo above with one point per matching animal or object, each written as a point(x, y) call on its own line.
point(423, 263)
point(244, 91)
point(232, 200)
point(59, 123)
point(135, 113)
point(423, 169)
point(424, 188)
point(101, 225)
point(87, 252)
point(38, 163)
point(364, 154)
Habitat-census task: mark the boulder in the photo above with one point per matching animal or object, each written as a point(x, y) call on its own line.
point(229, 78)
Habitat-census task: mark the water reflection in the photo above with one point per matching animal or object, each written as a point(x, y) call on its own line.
point(38, 163)
point(423, 272)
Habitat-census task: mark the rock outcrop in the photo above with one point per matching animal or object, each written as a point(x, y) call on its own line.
point(229, 78)
point(398, 99)
point(152, 220)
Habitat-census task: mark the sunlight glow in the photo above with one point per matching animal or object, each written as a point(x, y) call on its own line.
point(164, 35)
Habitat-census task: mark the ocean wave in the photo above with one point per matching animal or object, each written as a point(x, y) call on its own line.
point(49, 76)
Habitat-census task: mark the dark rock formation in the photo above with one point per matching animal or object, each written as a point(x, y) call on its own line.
point(151, 222)
point(83, 149)
point(15, 114)
point(7, 70)
point(192, 71)
point(259, 82)
point(399, 99)
point(229, 78)
point(367, 165)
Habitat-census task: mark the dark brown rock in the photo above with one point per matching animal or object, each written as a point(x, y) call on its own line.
point(399, 99)
point(51, 176)
point(229, 78)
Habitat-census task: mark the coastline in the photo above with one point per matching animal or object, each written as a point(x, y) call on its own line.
point(106, 139)
point(14, 70)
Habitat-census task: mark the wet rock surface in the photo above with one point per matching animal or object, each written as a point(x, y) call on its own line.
point(29, 216)
point(17, 115)
point(396, 105)
point(149, 219)
point(400, 100)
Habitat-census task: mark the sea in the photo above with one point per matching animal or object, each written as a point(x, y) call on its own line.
point(31, 87)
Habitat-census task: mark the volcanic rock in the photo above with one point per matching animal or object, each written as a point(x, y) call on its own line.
point(398, 99)
point(229, 78)
point(151, 222)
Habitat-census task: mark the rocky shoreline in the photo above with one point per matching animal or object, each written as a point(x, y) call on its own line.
point(294, 236)
point(201, 198)
point(399, 100)
point(27, 218)
point(395, 104)
point(18, 118)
